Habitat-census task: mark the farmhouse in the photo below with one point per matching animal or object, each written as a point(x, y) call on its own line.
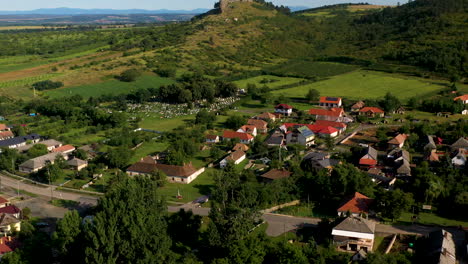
point(371, 112)
point(66, 149)
point(459, 159)
point(240, 146)
point(4, 127)
point(275, 140)
point(9, 223)
point(243, 137)
point(77, 164)
point(267, 117)
point(284, 109)
point(181, 174)
point(460, 143)
point(236, 157)
point(338, 125)
point(319, 161)
point(357, 205)
point(334, 114)
point(354, 234)
point(326, 101)
point(463, 98)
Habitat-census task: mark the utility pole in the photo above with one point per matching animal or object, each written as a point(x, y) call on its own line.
point(50, 185)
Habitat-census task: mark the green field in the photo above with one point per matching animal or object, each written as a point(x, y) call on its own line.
point(432, 219)
point(148, 148)
point(269, 80)
point(308, 69)
point(199, 187)
point(164, 124)
point(112, 87)
point(366, 84)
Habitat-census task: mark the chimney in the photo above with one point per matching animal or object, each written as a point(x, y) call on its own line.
point(9, 238)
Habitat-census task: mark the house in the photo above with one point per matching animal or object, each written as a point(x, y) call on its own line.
point(354, 234)
point(8, 244)
point(338, 125)
point(319, 161)
point(11, 210)
point(441, 247)
point(464, 112)
point(401, 160)
point(267, 117)
point(284, 109)
point(401, 110)
point(243, 137)
point(463, 99)
point(6, 135)
point(379, 178)
point(4, 127)
point(370, 158)
point(9, 223)
point(262, 126)
point(397, 142)
point(212, 139)
point(276, 174)
point(326, 101)
point(174, 173)
point(334, 114)
point(17, 142)
point(236, 157)
point(77, 164)
point(248, 129)
point(301, 135)
point(322, 131)
point(460, 143)
point(4, 202)
point(66, 149)
point(357, 205)
point(459, 159)
point(51, 144)
point(357, 106)
point(275, 140)
point(432, 156)
point(240, 146)
point(430, 144)
point(34, 165)
point(371, 112)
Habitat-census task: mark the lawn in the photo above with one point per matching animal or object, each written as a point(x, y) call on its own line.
point(269, 80)
point(309, 69)
point(432, 219)
point(366, 84)
point(199, 187)
point(148, 148)
point(164, 124)
point(113, 87)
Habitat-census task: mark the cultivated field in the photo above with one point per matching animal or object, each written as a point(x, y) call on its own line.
point(112, 87)
point(366, 84)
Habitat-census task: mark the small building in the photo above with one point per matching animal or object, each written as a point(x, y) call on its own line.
point(401, 162)
point(262, 126)
point(6, 135)
point(397, 142)
point(302, 136)
point(326, 101)
point(357, 205)
point(430, 144)
point(463, 99)
point(459, 159)
point(464, 112)
point(66, 149)
point(77, 164)
point(284, 109)
point(212, 139)
point(324, 131)
point(36, 164)
point(240, 146)
point(370, 158)
point(276, 174)
point(354, 234)
point(4, 202)
point(11, 210)
point(357, 106)
point(319, 161)
point(51, 144)
point(20, 141)
point(267, 117)
point(461, 143)
point(252, 130)
point(275, 140)
point(401, 110)
point(243, 137)
point(4, 127)
point(441, 247)
point(236, 157)
point(338, 125)
point(372, 112)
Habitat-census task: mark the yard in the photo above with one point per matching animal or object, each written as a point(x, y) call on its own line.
point(366, 84)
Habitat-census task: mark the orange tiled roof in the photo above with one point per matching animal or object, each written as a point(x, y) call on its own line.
point(368, 162)
point(371, 109)
point(463, 98)
point(400, 139)
point(323, 112)
point(258, 123)
point(64, 148)
point(359, 203)
point(330, 100)
point(239, 135)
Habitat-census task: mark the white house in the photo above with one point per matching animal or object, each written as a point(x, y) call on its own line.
point(249, 129)
point(463, 98)
point(354, 234)
point(459, 159)
point(284, 109)
point(326, 101)
point(236, 157)
point(301, 135)
point(212, 139)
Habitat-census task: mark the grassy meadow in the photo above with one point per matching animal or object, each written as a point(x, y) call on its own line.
point(310, 69)
point(366, 84)
point(269, 80)
point(110, 87)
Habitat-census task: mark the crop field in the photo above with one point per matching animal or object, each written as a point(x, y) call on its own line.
point(308, 69)
point(269, 80)
point(366, 84)
point(21, 87)
point(110, 87)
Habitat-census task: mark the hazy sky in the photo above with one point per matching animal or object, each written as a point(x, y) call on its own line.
point(156, 4)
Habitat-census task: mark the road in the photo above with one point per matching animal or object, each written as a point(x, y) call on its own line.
point(277, 224)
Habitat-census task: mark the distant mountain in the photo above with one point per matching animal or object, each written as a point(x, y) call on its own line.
point(78, 11)
point(298, 8)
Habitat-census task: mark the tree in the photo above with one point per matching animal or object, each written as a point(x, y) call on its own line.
point(81, 154)
point(390, 103)
point(206, 118)
point(235, 121)
point(183, 227)
point(47, 85)
point(159, 177)
point(8, 159)
point(129, 225)
point(313, 95)
point(129, 75)
point(118, 157)
point(37, 150)
point(68, 238)
point(391, 204)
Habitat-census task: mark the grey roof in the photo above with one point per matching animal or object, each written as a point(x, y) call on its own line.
point(356, 224)
point(430, 143)
point(275, 139)
point(41, 162)
point(50, 142)
point(18, 140)
point(316, 156)
point(460, 143)
point(305, 131)
point(76, 162)
point(372, 152)
point(442, 247)
point(7, 219)
point(404, 168)
point(325, 163)
point(399, 154)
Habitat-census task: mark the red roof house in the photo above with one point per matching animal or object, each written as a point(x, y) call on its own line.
point(243, 137)
point(320, 130)
point(330, 101)
point(284, 109)
point(8, 244)
point(357, 205)
point(372, 112)
point(64, 149)
point(463, 98)
point(323, 114)
point(398, 141)
point(338, 125)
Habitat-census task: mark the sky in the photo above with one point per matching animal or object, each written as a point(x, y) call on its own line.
point(9, 5)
